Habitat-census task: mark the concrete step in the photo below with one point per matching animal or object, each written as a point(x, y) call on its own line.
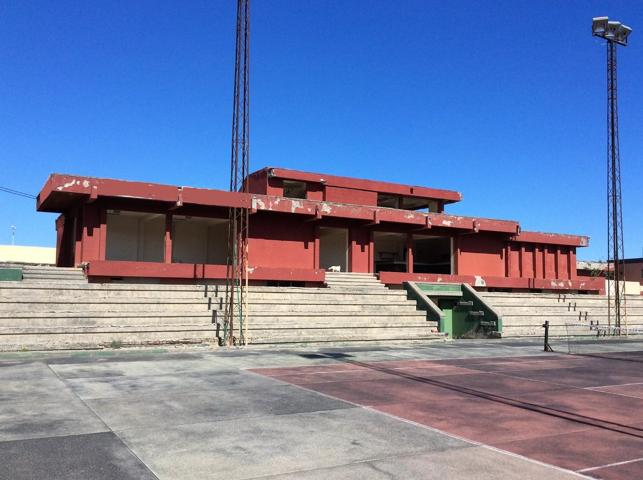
point(15, 291)
point(80, 295)
point(343, 279)
point(68, 311)
point(194, 288)
point(561, 309)
point(324, 336)
point(81, 340)
point(356, 285)
point(73, 323)
point(27, 309)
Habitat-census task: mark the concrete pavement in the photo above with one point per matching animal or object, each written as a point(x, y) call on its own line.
point(199, 414)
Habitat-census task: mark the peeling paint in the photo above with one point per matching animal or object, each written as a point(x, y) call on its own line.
point(294, 205)
point(479, 281)
point(85, 183)
point(447, 223)
point(68, 184)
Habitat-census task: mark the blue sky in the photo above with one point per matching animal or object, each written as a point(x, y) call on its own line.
point(503, 101)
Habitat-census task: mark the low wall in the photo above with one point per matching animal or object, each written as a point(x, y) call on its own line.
point(587, 284)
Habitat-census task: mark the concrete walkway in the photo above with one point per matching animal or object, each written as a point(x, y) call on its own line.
point(200, 414)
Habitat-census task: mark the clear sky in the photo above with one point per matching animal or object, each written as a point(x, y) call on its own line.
point(503, 101)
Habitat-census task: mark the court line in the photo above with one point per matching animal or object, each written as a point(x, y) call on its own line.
point(615, 464)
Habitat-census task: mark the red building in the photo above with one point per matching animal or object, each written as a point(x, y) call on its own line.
point(300, 224)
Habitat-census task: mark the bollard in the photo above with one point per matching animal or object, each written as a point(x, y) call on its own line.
point(547, 347)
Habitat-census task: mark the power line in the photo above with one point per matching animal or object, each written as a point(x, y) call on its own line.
point(16, 192)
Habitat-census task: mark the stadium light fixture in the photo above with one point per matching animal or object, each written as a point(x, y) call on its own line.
point(610, 30)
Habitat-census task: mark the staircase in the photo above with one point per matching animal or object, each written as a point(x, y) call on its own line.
point(54, 308)
point(524, 313)
point(353, 308)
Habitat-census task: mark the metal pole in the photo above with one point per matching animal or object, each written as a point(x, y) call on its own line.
point(547, 347)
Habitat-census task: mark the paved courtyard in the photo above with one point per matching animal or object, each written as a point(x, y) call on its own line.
point(200, 413)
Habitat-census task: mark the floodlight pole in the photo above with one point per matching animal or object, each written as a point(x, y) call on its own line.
point(614, 211)
point(615, 34)
point(236, 301)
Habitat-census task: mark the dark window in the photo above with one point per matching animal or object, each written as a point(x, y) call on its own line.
point(388, 201)
point(293, 189)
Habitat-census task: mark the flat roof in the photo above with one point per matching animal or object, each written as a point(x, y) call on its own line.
point(446, 196)
point(62, 192)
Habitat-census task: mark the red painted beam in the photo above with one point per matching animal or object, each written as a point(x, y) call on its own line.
point(215, 198)
point(61, 191)
point(552, 239)
point(581, 283)
point(191, 271)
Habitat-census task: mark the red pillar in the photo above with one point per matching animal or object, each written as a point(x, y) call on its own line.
point(316, 247)
point(571, 263)
point(456, 255)
point(102, 242)
point(371, 252)
point(167, 255)
point(409, 253)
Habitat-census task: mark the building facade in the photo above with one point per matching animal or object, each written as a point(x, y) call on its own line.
point(301, 224)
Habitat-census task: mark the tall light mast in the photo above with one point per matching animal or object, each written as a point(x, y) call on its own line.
point(615, 33)
point(236, 306)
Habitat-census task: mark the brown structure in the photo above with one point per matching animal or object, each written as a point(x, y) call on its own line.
point(301, 224)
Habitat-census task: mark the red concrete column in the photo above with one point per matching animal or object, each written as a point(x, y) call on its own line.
point(521, 259)
point(90, 233)
point(358, 247)
point(557, 271)
point(371, 252)
point(78, 237)
point(102, 243)
point(571, 263)
point(456, 255)
point(60, 232)
point(409, 253)
point(316, 247)
point(538, 263)
point(167, 256)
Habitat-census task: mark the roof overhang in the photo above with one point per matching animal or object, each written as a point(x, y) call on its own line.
point(63, 192)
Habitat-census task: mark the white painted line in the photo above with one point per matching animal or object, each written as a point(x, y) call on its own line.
point(619, 385)
point(615, 464)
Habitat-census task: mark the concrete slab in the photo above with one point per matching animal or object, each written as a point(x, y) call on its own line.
point(192, 381)
point(114, 368)
point(242, 449)
point(99, 456)
point(480, 464)
point(177, 409)
point(33, 419)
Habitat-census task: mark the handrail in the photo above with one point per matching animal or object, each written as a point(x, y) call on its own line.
point(425, 303)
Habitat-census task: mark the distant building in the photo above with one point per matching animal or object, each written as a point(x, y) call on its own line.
point(633, 270)
point(24, 254)
point(300, 225)
point(591, 268)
